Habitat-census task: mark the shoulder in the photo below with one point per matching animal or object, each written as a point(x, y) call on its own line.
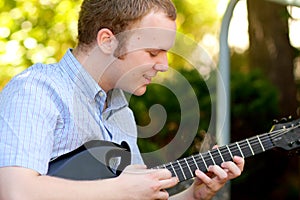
point(41, 87)
point(41, 79)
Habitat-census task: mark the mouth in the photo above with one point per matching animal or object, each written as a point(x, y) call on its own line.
point(148, 79)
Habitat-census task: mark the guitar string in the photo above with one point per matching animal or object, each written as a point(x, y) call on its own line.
point(187, 166)
point(214, 151)
point(207, 155)
point(243, 144)
point(189, 162)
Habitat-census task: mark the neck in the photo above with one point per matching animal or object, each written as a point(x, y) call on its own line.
point(96, 63)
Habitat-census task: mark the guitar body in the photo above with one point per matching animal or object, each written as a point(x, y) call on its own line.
point(91, 161)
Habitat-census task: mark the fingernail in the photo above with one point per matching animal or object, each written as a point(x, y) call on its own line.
point(176, 179)
point(198, 172)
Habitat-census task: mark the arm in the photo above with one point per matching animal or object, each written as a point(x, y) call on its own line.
point(206, 186)
point(134, 183)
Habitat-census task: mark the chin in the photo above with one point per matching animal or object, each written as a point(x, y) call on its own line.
point(140, 91)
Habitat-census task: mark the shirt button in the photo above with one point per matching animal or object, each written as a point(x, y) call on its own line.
point(101, 94)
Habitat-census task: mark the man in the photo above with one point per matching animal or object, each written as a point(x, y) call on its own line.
point(50, 110)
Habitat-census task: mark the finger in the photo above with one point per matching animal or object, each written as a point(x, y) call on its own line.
point(162, 195)
point(161, 174)
point(213, 184)
point(207, 181)
point(135, 169)
point(203, 177)
point(232, 169)
point(240, 162)
point(220, 173)
point(168, 183)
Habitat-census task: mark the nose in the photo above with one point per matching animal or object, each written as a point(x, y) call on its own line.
point(162, 62)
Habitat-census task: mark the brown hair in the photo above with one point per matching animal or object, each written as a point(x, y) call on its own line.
point(116, 15)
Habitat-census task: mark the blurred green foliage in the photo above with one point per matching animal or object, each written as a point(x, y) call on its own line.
point(254, 99)
point(34, 31)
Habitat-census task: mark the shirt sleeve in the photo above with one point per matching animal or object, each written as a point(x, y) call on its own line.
point(28, 117)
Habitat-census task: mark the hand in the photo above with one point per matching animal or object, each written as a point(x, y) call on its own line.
point(205, 186)
point(140, 183)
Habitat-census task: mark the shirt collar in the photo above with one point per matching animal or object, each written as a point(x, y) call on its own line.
point(116, 99)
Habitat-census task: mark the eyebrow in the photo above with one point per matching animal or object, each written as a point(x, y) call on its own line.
point(156, 49)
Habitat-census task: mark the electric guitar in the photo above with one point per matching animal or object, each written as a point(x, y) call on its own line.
point(92, 160)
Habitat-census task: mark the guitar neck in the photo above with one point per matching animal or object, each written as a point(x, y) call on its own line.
point(185, 168)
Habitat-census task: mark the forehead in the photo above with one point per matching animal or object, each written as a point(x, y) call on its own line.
point(155, 31)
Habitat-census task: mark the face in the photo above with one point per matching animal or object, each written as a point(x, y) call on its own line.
point(145, 56)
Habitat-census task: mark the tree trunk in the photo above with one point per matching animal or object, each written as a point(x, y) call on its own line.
point(271, 175)
point(270, 50)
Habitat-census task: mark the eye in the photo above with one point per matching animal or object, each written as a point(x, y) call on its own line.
point(153, 53)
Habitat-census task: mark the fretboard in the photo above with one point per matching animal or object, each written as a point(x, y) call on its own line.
point(185, 168)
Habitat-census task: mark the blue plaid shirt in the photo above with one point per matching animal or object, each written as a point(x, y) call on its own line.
point(49, 110)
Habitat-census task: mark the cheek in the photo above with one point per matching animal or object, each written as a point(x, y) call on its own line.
point(136, 62)
point(138, 58)
point(136, 66)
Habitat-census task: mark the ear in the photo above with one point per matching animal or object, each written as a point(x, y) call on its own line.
point(106, 41)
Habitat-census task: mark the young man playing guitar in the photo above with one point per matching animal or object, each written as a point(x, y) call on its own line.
point(50, 110)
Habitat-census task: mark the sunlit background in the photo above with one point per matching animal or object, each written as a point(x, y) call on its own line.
point(23, 43)
point(238, 31)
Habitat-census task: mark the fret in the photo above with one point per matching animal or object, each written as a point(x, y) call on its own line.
point(173, 170)
point(250, 147)
point(208, 158)
point(260, 143)
point(196, 164)
point(200, 162)
point(256, 146)
point(235, 149)
point(204, 161)
point(225, 152)
point(220, 155)
point(216, 157)
point(170, 167)
point(193, 166)
point(185, 168)
point(181, 170)
point(189, 167)
point(244, 146)
point(240, 149)
point(229, 151)
point(266, 142)
point(212, 158)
